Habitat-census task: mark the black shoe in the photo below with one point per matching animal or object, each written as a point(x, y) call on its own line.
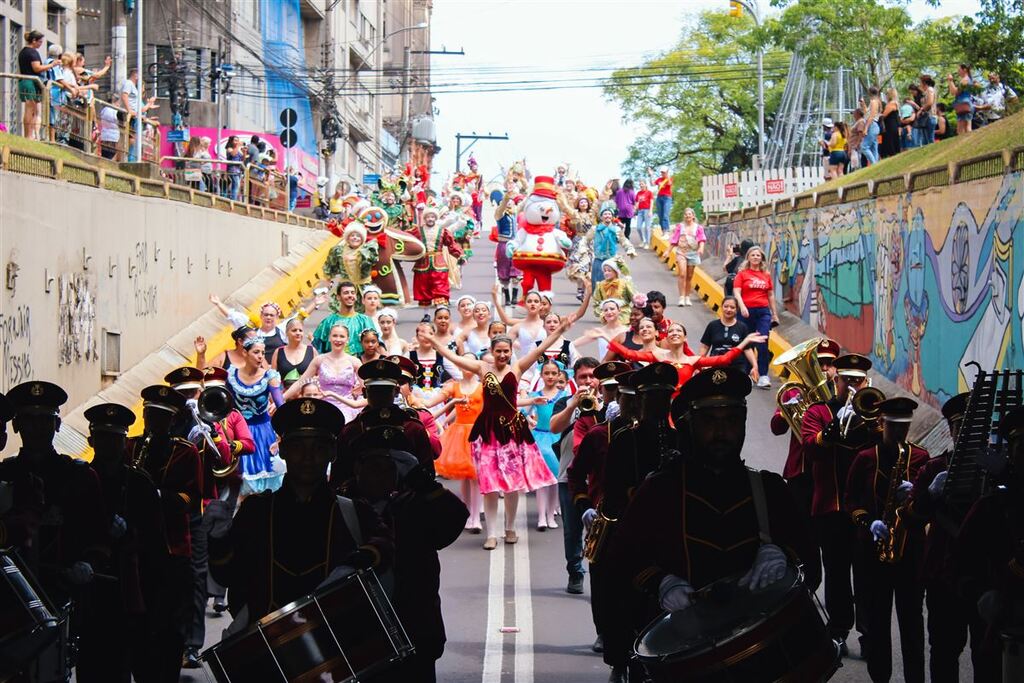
point(844, 650)
point(191, 660)
point(219, 605)
point(575, 586)
point(618, 675)
point(863, 647)
point(598, 645)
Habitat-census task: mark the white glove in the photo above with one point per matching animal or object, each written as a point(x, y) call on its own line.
point(79, 574)
point(903, 490)
point(588, 518)
point(199, 432)
point(769, 566)
point(118, 527)
point(193, 404)
point(879, 530)
point(938, 485)
point(337, 574)
point(844, 412)
point(674, 593)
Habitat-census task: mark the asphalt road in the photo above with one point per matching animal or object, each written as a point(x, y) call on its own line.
point(507, 614)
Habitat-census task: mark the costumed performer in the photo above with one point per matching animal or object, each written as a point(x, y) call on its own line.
point(353, 258)
point(538, 249)
point(542, 407)
point(254, 387)
point(430, 273)
point(456, 461)
point(504, 232)
point(505, 456)
point(615, 284)
point(394, 245)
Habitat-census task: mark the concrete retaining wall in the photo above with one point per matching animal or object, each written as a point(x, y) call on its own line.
point(922, 282)
point(96, 280)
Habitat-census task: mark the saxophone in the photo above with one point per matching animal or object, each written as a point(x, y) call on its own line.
point(890, 550)
point(597, 537)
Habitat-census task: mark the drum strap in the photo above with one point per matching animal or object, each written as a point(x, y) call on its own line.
point(760, 506)
point(348, 513)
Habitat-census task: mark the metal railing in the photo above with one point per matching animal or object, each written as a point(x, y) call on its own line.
point(76, 122)
point(228, 179)
point(17, 160)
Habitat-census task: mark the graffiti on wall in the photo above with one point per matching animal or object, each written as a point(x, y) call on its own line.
point(15, 341)
point(922, 283)
point(76, 328)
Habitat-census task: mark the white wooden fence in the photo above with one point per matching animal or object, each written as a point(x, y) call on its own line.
point(732, 191)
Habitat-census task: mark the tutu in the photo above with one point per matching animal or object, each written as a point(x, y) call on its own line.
point(507, 467)
point(456, 461)
point(263, 470)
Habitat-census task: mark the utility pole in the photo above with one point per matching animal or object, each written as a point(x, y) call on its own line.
point(459, 137)
point(406, 99)
point(754, 9)
point(142, 81)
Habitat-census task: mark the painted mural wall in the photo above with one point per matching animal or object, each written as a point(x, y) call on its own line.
point(922, 283)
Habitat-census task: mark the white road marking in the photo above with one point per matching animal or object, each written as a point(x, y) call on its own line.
point(523, 596)
point(495, 640)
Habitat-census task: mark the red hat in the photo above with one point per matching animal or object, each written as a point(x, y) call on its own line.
point(544, 186)
point(827, 348)
point(185, 378)
point(215, 377)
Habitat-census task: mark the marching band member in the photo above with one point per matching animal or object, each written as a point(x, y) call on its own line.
point(174, 466)
point(283, 545)
point(118, 644)
point(697, 521)
point(830, 457)
point(425, 518)
point(875, 498)
point(988, 557)
point(950, 618)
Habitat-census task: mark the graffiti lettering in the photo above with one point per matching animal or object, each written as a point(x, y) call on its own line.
point(76, 329)
point(145, 300)
point(15, 340)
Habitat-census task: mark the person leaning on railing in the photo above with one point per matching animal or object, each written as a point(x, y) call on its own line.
point(30, 91)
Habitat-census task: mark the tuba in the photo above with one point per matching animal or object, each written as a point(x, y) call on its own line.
point(811, 382)
point(890, 550)
point(215, 404)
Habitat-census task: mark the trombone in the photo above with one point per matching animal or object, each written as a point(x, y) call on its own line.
point(864, 404)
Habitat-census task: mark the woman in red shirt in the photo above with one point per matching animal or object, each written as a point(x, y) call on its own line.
point(753, 291)
point(663, 202)
point(678, 353)
point(644, 198)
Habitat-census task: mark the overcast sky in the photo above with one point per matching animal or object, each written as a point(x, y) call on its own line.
point(551, 41)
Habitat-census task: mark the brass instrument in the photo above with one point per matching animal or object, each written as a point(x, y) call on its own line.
point(812, 383)
point(595, 541)
point(890, 550)
point(141, 453)
point(864, 404)
point(589, 402)
point(215, 404)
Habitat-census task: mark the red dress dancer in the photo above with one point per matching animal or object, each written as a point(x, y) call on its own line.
point(686, 370)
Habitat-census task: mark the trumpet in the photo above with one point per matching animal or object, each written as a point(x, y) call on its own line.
point(589, 402)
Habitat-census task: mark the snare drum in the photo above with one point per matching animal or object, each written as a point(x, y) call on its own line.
point(344, 632)
point(28, 623)
point(731, 634)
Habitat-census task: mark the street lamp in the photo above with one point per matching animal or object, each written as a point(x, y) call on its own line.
point(753, 9)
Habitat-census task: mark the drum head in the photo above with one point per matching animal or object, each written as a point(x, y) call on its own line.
point(720, 612)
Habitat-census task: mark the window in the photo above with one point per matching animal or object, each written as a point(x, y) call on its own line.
point(111, 365)
point(16, 4)
point(249, 12)
point(54, 17)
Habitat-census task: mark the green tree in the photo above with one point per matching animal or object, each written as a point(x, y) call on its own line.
point(992, 41)
point(697, 104)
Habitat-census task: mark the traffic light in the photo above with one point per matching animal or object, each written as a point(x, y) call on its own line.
point(735, 9)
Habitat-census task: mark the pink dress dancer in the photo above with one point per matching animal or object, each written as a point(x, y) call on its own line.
point(504, 453)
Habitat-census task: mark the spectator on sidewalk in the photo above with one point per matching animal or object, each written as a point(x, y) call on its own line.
point(942, 128)
point(837, 156)
point(994, 99)
point(30, 92)
point(688, 240)
point(234, 151)
point(753, 289)
point(644, 199)
point(856, 136)
point(131, 102)
point(890, 124)
point(960, 89)
point(872, 112)
point(110, 131)
point(925, 125)
point(909, 118)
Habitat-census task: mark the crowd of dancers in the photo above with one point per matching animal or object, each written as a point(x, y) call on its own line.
point(303, 460)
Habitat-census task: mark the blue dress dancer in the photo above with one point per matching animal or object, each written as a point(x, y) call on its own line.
point(263, 470)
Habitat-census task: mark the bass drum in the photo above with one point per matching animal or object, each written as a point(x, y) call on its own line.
point(733, 635)
point(29, 624)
